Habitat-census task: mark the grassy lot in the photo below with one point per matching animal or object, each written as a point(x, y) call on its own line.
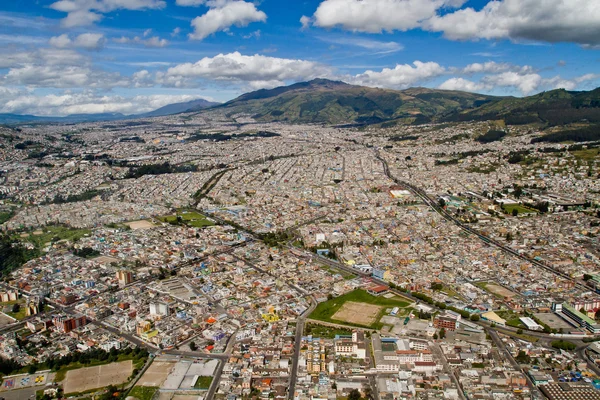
point(522, 210)
point(203, 382)
point(587, 154)
point(325, 332)
point(481, 285)
point(5, 216)
point(333, 271)
point(326, 310)
point(20, 315)
point(451, 292)
point(190, 218)
point(143, 392)
point(55, 234)
point(511, 318)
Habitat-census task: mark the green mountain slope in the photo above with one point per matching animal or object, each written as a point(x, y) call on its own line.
point(553, 108)
point(331, 102)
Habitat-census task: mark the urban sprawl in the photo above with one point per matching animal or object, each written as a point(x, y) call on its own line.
point(212, 256)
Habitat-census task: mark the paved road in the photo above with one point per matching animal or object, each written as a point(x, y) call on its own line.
point(300, 322)
point(21, 394)
point(582, 353)
point(440, 355)
point(516, 366)
point(215, 382)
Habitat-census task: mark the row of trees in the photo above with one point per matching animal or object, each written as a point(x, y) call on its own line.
point(8, 366)
point(492, 135)
point(160, 169)
point(586, 134)
point(13, 254)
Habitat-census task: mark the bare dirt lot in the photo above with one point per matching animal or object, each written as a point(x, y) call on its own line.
point(358, 313)
point(140, 224)
point(106, 260)
point(156, 374)
point(80, 380)
point(499, 290)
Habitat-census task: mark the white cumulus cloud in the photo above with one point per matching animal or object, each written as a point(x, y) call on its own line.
point(375, 16)
point(551, 21)
point(154, 41)
point(256, 70)
point(462, 84)
point(400, 77)
point(223, 15)
point(88, 12)
point(87, 102)
point(88, 41)
point(61, 41)
point(538, 20)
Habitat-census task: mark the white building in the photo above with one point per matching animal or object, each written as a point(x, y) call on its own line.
point(355, 347)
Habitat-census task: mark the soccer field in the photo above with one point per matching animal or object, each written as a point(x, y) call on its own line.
point(83, 379)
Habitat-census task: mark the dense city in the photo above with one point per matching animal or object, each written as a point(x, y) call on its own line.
point(210, 256)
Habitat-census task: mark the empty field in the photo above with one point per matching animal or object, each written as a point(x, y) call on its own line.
point(497, 290)
point(143, 392)
point(520, 209)
point(357, 313)
point(156, 375)
point(83, 379)
point(328, 311)
point(203, 382)
point(189, 218)
point(140, 225)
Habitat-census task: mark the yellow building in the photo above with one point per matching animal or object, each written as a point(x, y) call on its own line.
point(270, 317)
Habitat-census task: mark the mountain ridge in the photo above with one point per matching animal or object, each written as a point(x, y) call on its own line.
point(169, 109)
point(334, 102)
point(324, 101)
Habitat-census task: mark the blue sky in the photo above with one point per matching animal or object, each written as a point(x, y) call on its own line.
point(60, 57)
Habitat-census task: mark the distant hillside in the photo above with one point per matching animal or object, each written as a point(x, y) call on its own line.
point(178, 108)
point(13, 119)
point(553, 108)
point(331, 102)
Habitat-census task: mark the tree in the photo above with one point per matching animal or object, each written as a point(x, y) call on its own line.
point(435, 336)
point(442, 202)
point(542, 206)
point(475, 317)
point(442, 333)
point(522, 357)
point(16, 308)
point(587, 277)
point(518, 192)
point(515, 212)
point(193, 346)
point(519, 331)
point(354, 395)
point(563, 345)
